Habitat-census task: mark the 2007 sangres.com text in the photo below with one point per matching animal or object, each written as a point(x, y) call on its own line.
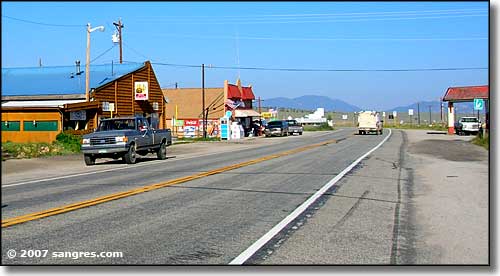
point(43, 253)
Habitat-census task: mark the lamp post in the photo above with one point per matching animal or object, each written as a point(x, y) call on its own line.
point(87, 63)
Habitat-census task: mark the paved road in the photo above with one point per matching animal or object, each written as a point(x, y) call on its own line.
point(210, 220)
point(392, 208)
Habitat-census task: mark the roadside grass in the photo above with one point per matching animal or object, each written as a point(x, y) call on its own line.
point(483, 141)
point(321, 127)
point(64, 144)
point(436, 127)
point(185, 140)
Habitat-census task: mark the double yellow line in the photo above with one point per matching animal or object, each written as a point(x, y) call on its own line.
point(107, 198)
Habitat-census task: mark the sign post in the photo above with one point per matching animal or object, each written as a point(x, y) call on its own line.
point(410, 113)
point(478, 105)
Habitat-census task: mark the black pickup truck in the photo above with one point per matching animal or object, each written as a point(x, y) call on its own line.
point(125, 137)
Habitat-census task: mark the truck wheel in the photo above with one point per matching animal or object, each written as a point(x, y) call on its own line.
point(130, 157)
point(89, 159)
point(162, 151)
point(300, 133)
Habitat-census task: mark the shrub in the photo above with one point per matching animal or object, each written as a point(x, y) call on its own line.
point(322, 127)
point(69, 142)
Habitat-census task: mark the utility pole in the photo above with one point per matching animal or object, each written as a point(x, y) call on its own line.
point(441, 108)
point(203, 100)
point(259, 106)
point(119, 27)
point(430, 114)
point(39, 62)
point(87, 62)
point(418, 113)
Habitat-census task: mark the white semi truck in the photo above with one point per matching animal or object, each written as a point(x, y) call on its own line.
point(369, 121)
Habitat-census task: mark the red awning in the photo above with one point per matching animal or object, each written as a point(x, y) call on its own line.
point(233, 92)
point(467, 93)
point(247, 93)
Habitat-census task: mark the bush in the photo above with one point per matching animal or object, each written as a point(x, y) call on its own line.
point(322, 127)
point(69, 142)
point(31, 150)
point(65, 144)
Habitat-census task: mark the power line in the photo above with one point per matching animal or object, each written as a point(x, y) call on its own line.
point(326, 20)
point(449, 11)
point(176, 65)
point(41, 23)
point(324, 39)
point(327, 70)
point(102, 54)
point(135, 51)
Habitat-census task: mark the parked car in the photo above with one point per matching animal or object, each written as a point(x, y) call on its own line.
point(369, 121)
point(277, 128)
point(294, 127)
point(467, 125)
point(125, 137)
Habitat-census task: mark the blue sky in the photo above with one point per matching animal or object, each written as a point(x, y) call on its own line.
point(311, 35)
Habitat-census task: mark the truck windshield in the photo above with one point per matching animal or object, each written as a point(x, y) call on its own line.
point(470, 120)
point(275, 124)
point(118, 124)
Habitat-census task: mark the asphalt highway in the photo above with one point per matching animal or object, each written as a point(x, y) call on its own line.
point(205, 220)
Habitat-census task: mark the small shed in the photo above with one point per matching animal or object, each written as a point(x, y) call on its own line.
point(465, 94)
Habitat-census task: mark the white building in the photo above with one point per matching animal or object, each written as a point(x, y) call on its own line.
point(316, 118)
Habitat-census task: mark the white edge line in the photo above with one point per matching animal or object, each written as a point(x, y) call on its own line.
point(250, 251)
point(116, 169)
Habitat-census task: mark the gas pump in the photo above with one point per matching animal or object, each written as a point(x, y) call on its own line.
point(225, 132)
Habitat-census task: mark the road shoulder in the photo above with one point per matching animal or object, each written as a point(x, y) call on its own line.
point(419, 199)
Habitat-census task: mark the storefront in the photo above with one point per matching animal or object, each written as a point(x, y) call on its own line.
point(39, 103)
point(184, 112)
point(136, 92)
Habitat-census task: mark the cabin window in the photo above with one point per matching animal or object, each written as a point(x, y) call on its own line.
point(11, 126)
point(41, 125)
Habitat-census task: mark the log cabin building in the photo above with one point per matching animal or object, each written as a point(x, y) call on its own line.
point(40, 102)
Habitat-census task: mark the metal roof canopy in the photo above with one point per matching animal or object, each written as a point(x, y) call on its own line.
point(50, 80)
point(466, 93)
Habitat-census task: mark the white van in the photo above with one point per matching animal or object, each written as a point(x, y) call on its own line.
point(369, 121)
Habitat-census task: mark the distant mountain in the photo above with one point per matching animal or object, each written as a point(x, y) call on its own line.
point(311, 102)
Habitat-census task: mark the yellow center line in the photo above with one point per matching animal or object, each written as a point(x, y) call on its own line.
point(110, 197)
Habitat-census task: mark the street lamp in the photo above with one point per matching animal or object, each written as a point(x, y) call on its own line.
point(87, 63)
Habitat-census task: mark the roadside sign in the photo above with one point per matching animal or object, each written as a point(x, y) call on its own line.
point(410, 112)
point(80, 115)
point(478, 104)
point(266, 115)
point(395, 114)
point(344, 117)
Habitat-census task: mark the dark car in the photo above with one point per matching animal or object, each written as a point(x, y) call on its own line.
point(294, 127)
point(277, 128)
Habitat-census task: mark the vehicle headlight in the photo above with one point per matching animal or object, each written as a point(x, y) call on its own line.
point(121, 139)
point(85, 141)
